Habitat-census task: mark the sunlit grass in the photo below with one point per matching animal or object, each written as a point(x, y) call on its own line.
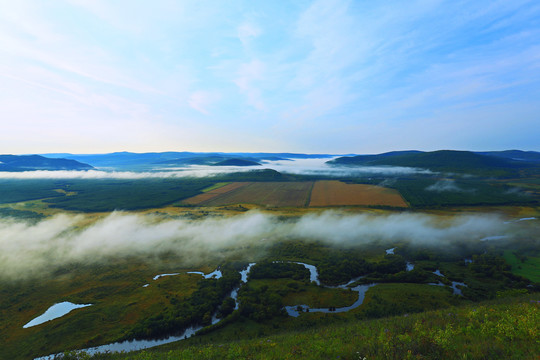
point(503, 329)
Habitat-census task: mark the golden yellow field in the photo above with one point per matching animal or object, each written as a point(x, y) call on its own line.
point(337, 193)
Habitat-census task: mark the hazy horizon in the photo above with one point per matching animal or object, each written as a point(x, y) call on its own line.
point(260, 152)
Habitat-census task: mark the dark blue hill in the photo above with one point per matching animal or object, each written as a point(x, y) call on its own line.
point(37, 162)
point(516, 155)
point(442, 161)
point(237, 162)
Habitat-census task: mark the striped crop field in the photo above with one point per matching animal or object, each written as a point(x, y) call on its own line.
point(337, 193)
point(294, 194)
point(213, 192)
point(298, 194)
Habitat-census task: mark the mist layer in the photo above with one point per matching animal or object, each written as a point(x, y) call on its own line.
point(33, 249)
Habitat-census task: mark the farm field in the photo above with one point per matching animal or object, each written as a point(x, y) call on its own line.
point(298, 194)
point(263, 193)
point(337, 193)
point(214, 192)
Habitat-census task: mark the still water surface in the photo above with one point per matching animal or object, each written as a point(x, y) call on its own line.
point(54, 312)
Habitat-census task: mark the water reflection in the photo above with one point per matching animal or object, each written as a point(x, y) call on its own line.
point(361, 289)
point(54, 312)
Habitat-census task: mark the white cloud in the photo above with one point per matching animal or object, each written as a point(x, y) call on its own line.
point(446, 185)
point(202, 100)
point(248, 81)
point(247, 32)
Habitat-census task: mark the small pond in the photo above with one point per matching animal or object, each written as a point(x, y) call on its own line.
point(54, 312)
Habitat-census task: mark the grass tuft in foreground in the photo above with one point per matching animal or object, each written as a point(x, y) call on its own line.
point(502, 329)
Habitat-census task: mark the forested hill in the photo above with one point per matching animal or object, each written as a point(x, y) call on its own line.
point(529, 156)
point(444, 161)
point(37, 162)
point(237, 162)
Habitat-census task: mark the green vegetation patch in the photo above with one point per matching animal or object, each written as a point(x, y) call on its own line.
point(276, 270)
point(119, 301)
point(426, 192)
point(317, 297)
point(215, 186)
point(110, 195)
point(17, 190)
point(526, 266)
point(6, 212)
point(395, 299)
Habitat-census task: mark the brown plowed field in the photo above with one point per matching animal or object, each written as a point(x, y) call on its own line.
point(295, 194)
point(337, 193)
point(201, 198)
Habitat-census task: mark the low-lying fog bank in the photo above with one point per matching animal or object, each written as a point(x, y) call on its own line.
point(296, 167)
point(33, 249)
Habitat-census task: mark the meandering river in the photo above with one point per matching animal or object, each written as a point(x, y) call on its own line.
point(293, 310)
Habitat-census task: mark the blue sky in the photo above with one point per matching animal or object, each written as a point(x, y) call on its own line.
point(333, 76)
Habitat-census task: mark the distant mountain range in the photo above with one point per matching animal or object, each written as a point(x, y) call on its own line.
point(487, 163)
point(37, 162)
point(492, 163)
point(237, 162)
point(146, 160)
point(214, 160)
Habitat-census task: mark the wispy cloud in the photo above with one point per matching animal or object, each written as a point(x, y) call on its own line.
point(248, 31)
point(248, 81)
point(447, 185)
point(318, 73)
point(202, 100)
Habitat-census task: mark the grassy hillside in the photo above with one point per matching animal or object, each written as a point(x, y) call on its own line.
point(506, 328)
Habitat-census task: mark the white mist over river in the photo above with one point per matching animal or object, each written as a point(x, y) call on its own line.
point(35, 249)
point(296, 166)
